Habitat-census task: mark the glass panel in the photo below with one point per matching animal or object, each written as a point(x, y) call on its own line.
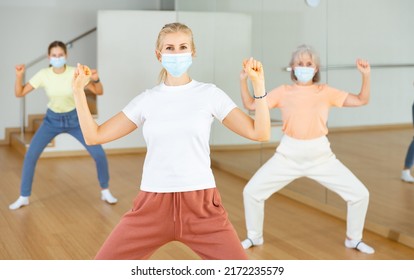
point(387, 44)
point(341, 32)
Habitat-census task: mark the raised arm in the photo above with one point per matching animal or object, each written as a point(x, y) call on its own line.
point(355, 100)
point(248, 100)
point(114, 128)
point(257, 129)
point(95, 85)
point(21, 90)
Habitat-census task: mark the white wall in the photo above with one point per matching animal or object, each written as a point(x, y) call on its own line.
point(27, 28)
point(128, 64)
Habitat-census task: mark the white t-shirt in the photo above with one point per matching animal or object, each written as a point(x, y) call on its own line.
point(176, 123)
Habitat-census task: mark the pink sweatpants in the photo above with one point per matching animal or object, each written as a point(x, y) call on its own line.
point(196, 218)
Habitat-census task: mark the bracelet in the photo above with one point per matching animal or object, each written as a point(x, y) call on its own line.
point(260, 97)
point(97, 81)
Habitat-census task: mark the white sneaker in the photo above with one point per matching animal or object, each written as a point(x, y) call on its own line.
point(247, 243)
point(108, 197)
point(20, 202)
point(406, 176)
point(359, 245)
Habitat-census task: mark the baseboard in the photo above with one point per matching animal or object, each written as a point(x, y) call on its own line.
point(243, 147)
point(6, 140)
point(370, 127)
point(56, 154)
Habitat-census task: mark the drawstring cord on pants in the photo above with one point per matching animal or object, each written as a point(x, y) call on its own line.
point(177, 203)
point(64, 120)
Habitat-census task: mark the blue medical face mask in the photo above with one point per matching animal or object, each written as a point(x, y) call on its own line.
point(304, 74)
point(57, 62)
point(176, 64)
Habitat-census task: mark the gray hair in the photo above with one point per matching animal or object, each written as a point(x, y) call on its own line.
point(301, 50)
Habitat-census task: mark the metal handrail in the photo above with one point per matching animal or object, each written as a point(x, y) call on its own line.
point(35, 61)
point(351, 66)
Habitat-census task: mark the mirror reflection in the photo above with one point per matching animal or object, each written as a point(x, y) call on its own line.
point(371, 140)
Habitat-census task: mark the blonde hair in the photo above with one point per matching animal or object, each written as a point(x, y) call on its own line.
point(300, 51)
point(168, 29)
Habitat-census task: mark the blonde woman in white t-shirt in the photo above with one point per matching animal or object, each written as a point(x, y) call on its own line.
point(60, 118)
point(178, 200)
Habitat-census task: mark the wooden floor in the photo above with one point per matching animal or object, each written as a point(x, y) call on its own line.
point(67, 220)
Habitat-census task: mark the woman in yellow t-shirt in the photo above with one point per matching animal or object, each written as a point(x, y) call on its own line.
point(304, 149)
point(61, 117)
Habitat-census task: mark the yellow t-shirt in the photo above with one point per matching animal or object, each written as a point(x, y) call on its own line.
point(305, 109)
point(58, 88)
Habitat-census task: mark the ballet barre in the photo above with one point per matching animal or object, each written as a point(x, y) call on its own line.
point(352, 66)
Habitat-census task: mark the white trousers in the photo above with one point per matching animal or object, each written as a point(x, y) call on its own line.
point(305, 158)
